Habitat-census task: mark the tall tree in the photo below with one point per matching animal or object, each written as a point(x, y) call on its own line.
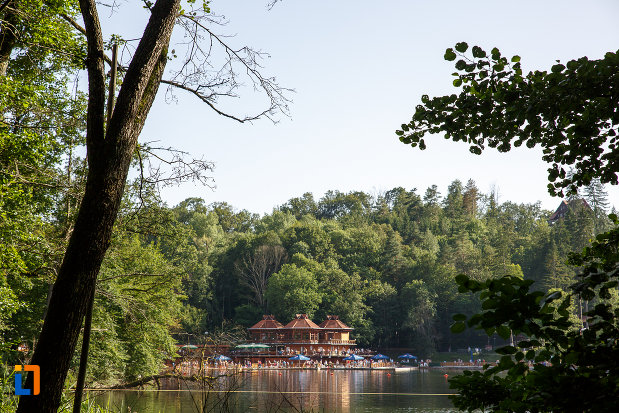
point(597, 197)
point(470, 196)
point(293, 290)
point(300, 206)
point(419, 310)
point(557, 273)
point(110, 148)
point(109, 156)
point(40, 120)
point(454, 200)
point(256, 268)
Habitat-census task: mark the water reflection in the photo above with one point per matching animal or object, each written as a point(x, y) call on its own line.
point(341, 391)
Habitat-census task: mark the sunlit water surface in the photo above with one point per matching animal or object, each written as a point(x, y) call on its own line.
point(294, 390)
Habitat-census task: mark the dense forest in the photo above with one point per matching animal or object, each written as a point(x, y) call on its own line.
point(396, 266)
point(199, 272)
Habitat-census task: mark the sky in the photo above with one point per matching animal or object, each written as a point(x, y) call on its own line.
point(358, 69)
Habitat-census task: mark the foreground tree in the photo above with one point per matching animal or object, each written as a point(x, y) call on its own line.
point(109, 156)
point(111, 146)
point(560, 366)
point(39, 123)
point(573, 113)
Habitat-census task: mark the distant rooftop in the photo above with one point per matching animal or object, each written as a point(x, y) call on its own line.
point(268, 322)
point(333, 323)
point(564, 207)
point(301, 321)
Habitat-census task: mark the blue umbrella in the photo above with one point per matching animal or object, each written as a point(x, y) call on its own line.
point(354, 357)
point(221, 357)
point(299, 357)
point(379, 357)
point(407, 356)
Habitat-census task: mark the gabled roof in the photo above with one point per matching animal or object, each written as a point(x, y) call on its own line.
point(333, 323)
point(302, 321)
point(564, 207)
point(268, 322)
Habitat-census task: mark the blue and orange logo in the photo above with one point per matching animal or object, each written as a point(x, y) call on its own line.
point(36, 371)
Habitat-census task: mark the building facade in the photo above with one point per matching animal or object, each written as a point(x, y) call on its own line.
point(302, 335)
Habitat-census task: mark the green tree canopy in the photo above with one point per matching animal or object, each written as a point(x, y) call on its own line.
point(570, 111)
point(293, 290)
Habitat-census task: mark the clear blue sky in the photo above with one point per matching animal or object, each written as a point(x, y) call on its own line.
point(358, 69)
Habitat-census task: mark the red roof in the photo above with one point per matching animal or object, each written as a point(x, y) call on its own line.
point(333, 323)
point(301, 321)
point(268, 322)
point(564, 207)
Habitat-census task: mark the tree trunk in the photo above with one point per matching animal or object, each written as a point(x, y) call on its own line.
point(7, 35)
point(109, 156)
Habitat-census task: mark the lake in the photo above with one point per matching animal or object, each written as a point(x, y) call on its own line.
point(294, 390)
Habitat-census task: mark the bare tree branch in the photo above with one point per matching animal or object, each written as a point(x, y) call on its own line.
point(199, 75)
point(207, 99)
point(6, 3)
point(75, 24)
point(207, 84)
point(256, 269)
point(182, 170)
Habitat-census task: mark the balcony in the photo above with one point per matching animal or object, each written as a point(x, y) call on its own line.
point(335, 342)
point(332, 342)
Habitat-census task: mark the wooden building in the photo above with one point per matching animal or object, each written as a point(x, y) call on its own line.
point(302, 335)
point(566, 206)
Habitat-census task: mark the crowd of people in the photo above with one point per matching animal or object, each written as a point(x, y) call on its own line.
point(193, 366)
point(322, 352)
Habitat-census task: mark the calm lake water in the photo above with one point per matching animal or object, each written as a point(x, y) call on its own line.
point(295, 390)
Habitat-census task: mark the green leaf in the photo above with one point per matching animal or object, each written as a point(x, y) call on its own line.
point(457, 327)
point(571, 358)
point(488, 304)
point(457, 82)
point(506, 350)
point(558, 68)
point(461, 279)
point(478, 52)
point(504, 332)
point(515, 59)
point(554, 296)
point(449, 55)
point(459, 317)
point(490, 331)
point(462, 47)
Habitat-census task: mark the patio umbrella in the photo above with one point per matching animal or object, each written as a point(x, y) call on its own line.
point(354, 357)
point(299, 357)
point(221, 357)
point(407, 356)
point(380, 357)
